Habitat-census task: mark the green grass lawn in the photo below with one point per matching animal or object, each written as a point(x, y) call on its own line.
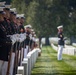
point(48, 64)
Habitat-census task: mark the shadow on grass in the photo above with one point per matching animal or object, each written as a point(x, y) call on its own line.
point(73, 72)
point(54, 74)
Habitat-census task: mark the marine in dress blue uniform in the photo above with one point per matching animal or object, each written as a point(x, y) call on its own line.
point(27, 40)
point(5, 43)
point(60, 42)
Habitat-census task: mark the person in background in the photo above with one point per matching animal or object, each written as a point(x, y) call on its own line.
point(21, 26)
point(27, 40)
point(60, 42)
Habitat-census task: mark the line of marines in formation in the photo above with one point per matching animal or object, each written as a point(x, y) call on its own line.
point(16, 40)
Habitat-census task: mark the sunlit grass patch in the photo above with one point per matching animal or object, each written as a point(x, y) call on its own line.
point(48, 64)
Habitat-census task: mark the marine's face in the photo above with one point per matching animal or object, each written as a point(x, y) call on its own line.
point(18, 20)
point(1, 17)
point(4, 14)
point(28, 29)
point(11, 16)
point(14, 17)
point(7, 15)
point(22, 20)
point(60, 29)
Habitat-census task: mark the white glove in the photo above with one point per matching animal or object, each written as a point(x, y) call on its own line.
point(17, 37)
point(13, 42)
point(30, 36)
point(25, 35)
point(21, 37)
point(20, 40)
point(13, 39)
point(33, 39)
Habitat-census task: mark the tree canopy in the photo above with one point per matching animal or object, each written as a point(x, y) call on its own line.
point(46, 15)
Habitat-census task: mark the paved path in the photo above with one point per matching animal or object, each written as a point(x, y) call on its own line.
point(48, 64)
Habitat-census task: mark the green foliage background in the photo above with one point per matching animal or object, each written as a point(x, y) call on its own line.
point(46, 15)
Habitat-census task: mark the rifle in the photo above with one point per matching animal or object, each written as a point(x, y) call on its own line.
point(8, 68)
point(11, 50)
